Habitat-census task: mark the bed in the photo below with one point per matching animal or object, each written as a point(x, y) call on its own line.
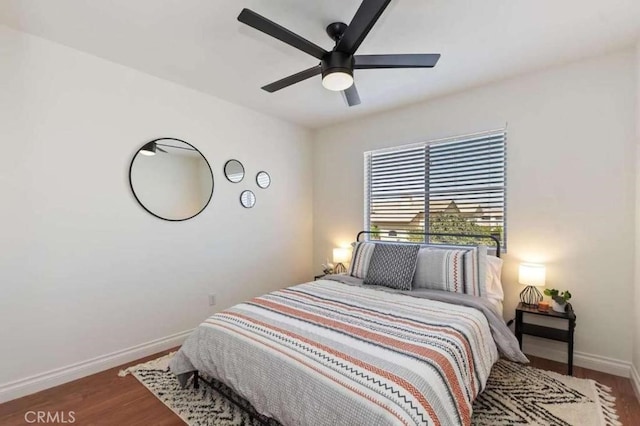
point(340, 351)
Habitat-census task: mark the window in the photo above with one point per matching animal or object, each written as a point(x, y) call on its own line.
point(453, 186)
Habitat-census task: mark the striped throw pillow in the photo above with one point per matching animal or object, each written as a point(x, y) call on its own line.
point(360, 259)
point(440, 269)
point(473, 266)
point(475, 274)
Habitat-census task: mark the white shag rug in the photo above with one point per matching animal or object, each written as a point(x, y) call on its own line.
point(515, 394)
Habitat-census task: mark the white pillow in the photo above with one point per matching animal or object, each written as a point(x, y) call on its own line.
point(494, 278)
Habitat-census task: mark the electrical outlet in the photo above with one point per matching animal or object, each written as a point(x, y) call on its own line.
point(212, 299)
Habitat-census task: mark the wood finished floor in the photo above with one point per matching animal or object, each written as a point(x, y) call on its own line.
point(106, 399)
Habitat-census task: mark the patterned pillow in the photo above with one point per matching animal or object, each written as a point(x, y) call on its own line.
point(440, 269)
point(392, 265)
point(475, 261)
point(460, 270)
point(475, 271)
point(360, 259)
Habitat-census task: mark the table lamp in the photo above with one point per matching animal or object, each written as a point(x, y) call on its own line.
point(341, 256)
point(531, 275)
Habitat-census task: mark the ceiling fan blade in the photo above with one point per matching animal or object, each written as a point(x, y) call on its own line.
point(293, 79)
point(351, 95)
point(396, 61)
point(261, 23)
point(364, 19)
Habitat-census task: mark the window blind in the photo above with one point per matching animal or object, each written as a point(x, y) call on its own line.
point(448, 186)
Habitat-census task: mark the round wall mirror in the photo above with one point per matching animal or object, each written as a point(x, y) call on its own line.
point(234, 171)
point(263, 179)
point(171, 179)
point(248, 199)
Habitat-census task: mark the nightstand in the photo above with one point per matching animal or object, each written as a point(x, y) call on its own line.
point(548, 332)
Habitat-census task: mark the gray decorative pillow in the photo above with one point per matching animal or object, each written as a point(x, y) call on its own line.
point(460, 269)
point(441, 269)
point(360, 259)
point(392, 265)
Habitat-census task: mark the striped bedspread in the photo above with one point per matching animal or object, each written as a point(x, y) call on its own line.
point(328, 353)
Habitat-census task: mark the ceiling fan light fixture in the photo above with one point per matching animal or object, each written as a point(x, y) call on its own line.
point(337, 71)
point(337, 81)
point(148, 149)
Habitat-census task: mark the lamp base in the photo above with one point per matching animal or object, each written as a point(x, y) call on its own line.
point(339, 269)
point(530, 296)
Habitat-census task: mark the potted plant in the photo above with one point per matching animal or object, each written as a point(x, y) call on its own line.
point(559, 300)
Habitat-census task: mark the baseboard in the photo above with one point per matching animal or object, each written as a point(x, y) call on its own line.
point(604, 364)
point(49, 379)
point(635, 380)
point(58, 376)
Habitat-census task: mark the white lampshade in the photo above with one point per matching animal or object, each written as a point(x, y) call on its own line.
point(341, 255)
point(337, 81)
point(532, 274)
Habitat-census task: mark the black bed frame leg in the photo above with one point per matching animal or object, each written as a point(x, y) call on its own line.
point(196, 384)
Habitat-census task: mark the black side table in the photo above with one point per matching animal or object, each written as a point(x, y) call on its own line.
point(548, 332)
point(317, 277)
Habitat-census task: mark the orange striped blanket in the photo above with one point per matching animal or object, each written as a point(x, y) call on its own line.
point(326, 353)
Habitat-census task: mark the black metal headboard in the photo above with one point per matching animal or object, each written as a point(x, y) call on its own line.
point(494, 238)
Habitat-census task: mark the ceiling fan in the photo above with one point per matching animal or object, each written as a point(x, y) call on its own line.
point(337, 65)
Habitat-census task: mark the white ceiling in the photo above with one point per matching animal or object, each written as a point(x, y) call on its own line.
point(200, 44)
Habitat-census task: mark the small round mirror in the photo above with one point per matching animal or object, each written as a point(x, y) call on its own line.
point(171, 179)
point(248, 199)
point(234, 171)
point(263, 179)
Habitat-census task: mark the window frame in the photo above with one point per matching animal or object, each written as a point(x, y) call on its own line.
point(500, 133)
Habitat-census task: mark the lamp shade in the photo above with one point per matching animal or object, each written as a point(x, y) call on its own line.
point(341, 255)
point(532, 274)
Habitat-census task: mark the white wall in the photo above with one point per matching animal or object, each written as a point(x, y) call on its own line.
point(171, 185)
point(571, 174)
point(84, 270)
